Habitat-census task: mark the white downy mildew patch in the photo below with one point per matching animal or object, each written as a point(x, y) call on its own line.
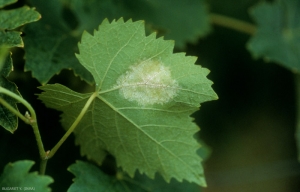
point(147, 83)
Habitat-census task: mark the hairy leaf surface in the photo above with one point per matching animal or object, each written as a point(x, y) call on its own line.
point(277, 38)
point(17, 175)
point(91, 178)
point(127, 66)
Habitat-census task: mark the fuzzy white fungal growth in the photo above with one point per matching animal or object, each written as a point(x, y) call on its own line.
point(148, 83)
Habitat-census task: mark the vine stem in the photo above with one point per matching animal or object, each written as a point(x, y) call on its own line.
point(73, 126)
point(30, 119)
point(232, 23)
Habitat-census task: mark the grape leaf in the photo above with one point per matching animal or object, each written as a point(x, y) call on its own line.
point(11, 19)
point(11, 39)
point(16, 177)
point(145, 96)
point(182, 21)
point(91, 178)
point(48, 51)
point(3, 3)
point(53, 42)
point(57, 37)
point(277, 38)
point(8, 120)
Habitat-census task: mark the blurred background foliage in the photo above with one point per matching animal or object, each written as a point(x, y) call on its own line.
point(250, 129)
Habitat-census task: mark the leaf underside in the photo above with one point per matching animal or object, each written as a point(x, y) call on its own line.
point(152, 137)
point(277, 38)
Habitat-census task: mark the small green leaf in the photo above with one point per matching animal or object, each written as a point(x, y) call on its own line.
point(3, 3)
point(16, 177)
point(11, 19)
point(11, 39)
point(91, 178)
point(277, 38)
point(8, 120)
point(146, 95)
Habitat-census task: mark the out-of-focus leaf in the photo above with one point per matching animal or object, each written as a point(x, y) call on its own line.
point(3, 3)
point(48, 50)
point(11, 19)
point(16, 177)
point(90, 178)
point(182, 21)
point(277, 38)
point(51, 44)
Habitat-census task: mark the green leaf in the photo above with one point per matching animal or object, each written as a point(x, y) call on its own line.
point(11, 19)
point(91, 178)
point(48, 51)
point(141, 183)
point(91, 13)
point(3, 54)
point(51, 43)
point(146, 95)
point(8, 120)
point(11, 39)
point(3, 3)
point(16, 177)
point(183, 21)
point(277, 38)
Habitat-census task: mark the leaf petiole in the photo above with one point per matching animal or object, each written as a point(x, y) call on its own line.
point(73, 126)
point(232, 23)
point(32, 120)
